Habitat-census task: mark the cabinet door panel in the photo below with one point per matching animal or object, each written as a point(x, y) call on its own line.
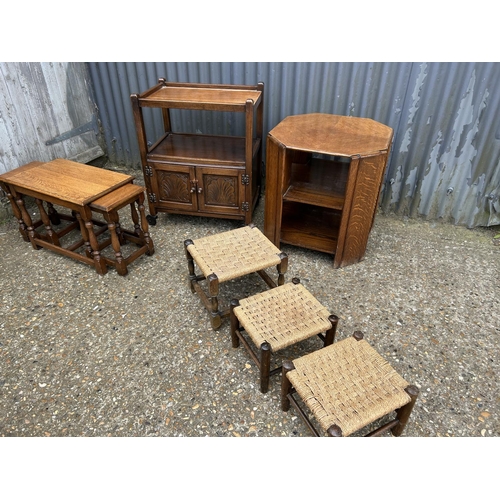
point(175, 186)
point(220, 190)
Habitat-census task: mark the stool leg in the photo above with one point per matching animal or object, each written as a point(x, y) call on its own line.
point(404, 412)
point(213, 290)
point(282, 268)
point(330, 334)
point(334, 431)
point(286, 386)
point(190, 262)
point(235, 324)
point(358, 335)
point(265, 365)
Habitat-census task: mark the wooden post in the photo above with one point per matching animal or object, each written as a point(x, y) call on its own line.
point(235, 324)
point(286, 386)
point(330, 334)
point(404, 412)
point(265, 364)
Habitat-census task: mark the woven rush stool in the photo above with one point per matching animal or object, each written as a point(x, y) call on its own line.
point(276, 319)
point(346, 387)
point(229, 255)
point(108, 205)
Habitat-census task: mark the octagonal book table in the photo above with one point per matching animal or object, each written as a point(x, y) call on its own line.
point(323, 179)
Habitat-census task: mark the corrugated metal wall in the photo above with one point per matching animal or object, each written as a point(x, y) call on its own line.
point(358, 89)
point(446, 155)
point(445, 161)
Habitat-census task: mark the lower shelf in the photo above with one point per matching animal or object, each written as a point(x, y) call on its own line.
point(310, 227)
point(202, 149)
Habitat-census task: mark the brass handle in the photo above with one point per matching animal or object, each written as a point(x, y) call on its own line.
point(193, 190)
point(200, 190)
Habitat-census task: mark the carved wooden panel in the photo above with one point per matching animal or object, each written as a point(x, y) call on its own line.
point(364, 206)
point(174, 186)
point(221, 190)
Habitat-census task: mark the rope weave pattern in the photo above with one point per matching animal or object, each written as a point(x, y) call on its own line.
point(348, 384)
point(282, 316)
point(234, 253)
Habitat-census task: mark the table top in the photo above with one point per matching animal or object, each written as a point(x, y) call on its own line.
point(200, 98)
point(66, 180)
point(333, 134)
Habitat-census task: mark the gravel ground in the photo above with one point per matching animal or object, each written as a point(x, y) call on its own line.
point(89, 355)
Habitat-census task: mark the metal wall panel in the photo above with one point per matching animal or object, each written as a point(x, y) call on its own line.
point(445, 156)
point(373, 90)
point(445, 159)
point(46, 112)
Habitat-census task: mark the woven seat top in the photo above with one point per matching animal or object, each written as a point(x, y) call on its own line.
point(234, 253)
point(282, 316)
point(348, 384)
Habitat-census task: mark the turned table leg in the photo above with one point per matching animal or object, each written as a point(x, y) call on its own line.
point(99, 263)
point(27, 221)
point(113, 223)
point(46, 221)
point(53, 214)
point(84, 233)
point(17, 213)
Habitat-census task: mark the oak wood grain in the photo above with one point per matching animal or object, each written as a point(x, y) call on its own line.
point(324, 174)
point(188, 173)
point(66, 180)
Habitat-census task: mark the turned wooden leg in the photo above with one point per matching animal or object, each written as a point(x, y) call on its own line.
point(46, 221)
point(53, 214)
point(120, 264)
point(330, 334)
point(99, 264)
point(17, 214)
point(213, 290)
point(235, 324)
point(403, 414)
point(28, 222)
point(282, 268)
point(190, 261)
point(84, 233)
point(114, 217)
point(145, 226)
point(265, 366)
point(135, 219)
point(286, 386)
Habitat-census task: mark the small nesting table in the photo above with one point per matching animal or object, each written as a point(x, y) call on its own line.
point(81, 189)
point(276, 319)
point(108, 205)
point(228, 255)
